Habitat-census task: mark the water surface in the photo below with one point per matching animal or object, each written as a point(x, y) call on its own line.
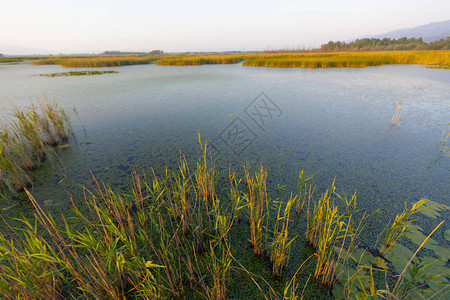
point(335, 123)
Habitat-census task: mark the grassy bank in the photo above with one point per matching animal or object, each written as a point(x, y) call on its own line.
point(199, 59)
point(97, 60)
point(172, 236)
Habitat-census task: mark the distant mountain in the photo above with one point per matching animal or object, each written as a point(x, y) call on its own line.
point(18, 50)
point(429, 32)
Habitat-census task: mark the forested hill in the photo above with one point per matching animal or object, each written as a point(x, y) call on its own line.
point(386, 44)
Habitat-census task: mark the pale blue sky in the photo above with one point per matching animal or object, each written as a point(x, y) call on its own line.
point(198, 25)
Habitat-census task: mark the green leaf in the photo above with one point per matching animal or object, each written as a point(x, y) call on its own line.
point(150, 264)
point(414, 233)
point(399, 255)
point(443, 253)
point(433, 209)
point(446, 234)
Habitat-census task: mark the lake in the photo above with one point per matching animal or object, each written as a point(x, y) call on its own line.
point(333, 123)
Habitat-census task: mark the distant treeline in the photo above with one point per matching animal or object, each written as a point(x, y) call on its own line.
point(154, 52)
point(386, 44)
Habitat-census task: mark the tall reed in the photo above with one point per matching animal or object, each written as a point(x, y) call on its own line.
point(304, 191)
point(237, 203)
point(205, 179)
point(400, 224)
point(257, 207)
point(24, 139)
point(333, 236)
point(280, 244)
point(161, 241)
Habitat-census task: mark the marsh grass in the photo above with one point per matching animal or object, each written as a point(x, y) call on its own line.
point(78, 73)
point(333, 235)
point(400, 224)
point(25, 138)
point(29, 268)
point(169, 239)
point(236, 197)
point(440, 67)
point(347, 59)
point(199, 59)
point(280, 244)
point(91, 61)
point(411, 283)
point(280, 59)
point(257, 207)
point(304, 191)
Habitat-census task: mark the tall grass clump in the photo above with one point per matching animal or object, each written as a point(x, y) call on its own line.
point(24, 140)
point(206, 184)
point(280, 244)
point(257, 207)
point(333, 235)
point(400, 224)
point(304, 191)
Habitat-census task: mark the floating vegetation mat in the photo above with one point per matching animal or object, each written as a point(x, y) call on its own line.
point(440, 67)
point(78, 73)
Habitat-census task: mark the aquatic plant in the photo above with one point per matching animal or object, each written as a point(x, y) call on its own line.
point(159, 241)
point(91, 61)
point(206, 184)
point(24, 139)
point(237, 203)
point(439, 67)
point(397, 114)
point(305, 190)
point(415, 279)
point(199, 59)
point(400, 224)
point(78, 73)
point(257, 207)
point(280, 244)
point(29, 268)
point(333, 235)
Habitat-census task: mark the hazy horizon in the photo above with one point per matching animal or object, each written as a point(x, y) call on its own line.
point(96, 26)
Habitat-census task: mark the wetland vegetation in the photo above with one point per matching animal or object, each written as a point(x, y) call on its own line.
point(91, 61)
point(182, 232)
point(78, 73)
point(280, 59)
point(174, 237)
point(25, 138)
